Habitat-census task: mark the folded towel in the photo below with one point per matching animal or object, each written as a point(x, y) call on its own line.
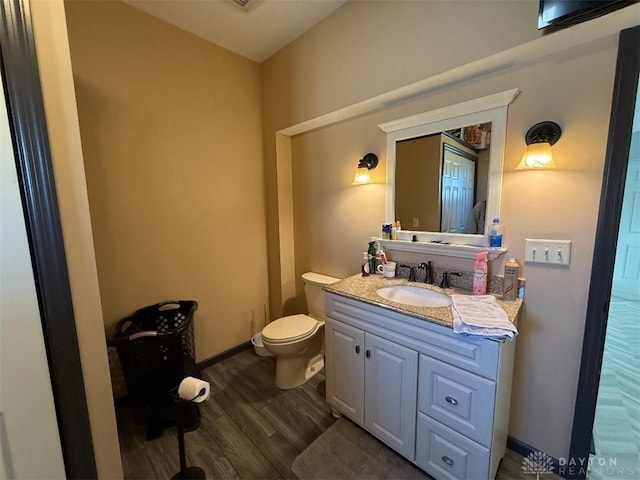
point(481, 315)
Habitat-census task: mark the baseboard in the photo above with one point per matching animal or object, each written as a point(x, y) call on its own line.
point(526, 450)
point(223, 355)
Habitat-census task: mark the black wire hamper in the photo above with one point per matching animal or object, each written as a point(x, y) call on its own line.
point(156, 347)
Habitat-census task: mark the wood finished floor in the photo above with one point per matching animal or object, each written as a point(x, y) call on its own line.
point(616, 428)
point(249, 429)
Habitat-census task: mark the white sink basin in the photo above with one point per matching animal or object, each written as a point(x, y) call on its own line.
point(410, 295)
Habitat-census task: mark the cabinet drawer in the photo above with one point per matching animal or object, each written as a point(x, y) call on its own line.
point(459, 399)
point(477, 355)
point(446, 454)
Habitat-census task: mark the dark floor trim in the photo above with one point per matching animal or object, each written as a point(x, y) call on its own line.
point(223, 355)
point(126, 399)
point(524, 450)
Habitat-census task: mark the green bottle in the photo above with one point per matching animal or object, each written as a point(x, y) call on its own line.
point(371, 254)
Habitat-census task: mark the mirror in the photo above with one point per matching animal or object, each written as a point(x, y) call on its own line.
point(441, 126)
point(441, 180)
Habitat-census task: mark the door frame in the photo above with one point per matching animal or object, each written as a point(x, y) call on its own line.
point(39, 198)
point(615, 170)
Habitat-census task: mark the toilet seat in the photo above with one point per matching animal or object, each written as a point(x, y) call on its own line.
point(290, 329)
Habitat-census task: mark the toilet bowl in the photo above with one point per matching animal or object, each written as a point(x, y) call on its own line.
point(297, 341)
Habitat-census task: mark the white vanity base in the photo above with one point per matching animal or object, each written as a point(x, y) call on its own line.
point(439, 399)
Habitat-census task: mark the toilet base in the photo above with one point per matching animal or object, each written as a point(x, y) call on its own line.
point(296, 371)
point(314, 366)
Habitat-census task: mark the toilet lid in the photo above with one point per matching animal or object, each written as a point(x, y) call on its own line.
point(290, 329)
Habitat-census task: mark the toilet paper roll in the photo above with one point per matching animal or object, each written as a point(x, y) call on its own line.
point(194, 390)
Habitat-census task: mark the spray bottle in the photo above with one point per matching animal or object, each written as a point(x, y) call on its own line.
point(480, 270)
point(510, 288)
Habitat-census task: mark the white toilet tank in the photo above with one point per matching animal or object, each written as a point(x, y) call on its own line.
point(313, 283)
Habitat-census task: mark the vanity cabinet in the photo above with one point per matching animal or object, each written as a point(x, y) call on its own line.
point(438, 398)
point(374, 382)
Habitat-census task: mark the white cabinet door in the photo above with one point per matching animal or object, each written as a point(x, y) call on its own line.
point(391, 373)
point(345, 369)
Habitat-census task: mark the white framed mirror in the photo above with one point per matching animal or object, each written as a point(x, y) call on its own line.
point(441, 236)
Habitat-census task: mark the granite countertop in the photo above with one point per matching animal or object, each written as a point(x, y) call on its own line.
point(364, 289)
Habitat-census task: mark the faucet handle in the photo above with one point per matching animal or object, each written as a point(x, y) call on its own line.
point(412, 273)
point(445, 279)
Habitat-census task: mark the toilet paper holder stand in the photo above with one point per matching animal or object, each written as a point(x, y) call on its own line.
point(185, 472)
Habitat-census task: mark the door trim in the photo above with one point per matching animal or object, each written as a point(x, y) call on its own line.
point(37, 187)
point(615, 170)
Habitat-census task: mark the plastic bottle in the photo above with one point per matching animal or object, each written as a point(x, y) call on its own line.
point(495, 234)
point(510, 285)
point(386, 231)
point(365, 264)
point(480, 274)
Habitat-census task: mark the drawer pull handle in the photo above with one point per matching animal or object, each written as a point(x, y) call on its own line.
point(368, 353)
point(451, 400)
point(357, 349)
point(447, 460)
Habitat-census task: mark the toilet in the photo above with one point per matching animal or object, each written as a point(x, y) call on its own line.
point(297, 341)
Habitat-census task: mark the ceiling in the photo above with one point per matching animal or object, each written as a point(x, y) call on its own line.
point(256, 31)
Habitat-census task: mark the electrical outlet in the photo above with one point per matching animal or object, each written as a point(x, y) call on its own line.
point(549, 252)
point(416, 222)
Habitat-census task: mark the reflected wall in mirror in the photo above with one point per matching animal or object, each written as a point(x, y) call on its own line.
point(422, 194)
point(441, 180)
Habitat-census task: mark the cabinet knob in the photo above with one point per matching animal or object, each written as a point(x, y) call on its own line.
point(368, 353)
point(447, 460)
point(451, 400)
point(357, 349)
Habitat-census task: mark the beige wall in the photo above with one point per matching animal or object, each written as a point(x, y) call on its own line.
point(54, 63)
point(171, 136)
point(362, 50)
point(334, 67)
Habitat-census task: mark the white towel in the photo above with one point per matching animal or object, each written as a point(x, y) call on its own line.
point(481, 315)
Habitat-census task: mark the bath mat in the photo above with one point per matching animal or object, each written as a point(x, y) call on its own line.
point(347, 452)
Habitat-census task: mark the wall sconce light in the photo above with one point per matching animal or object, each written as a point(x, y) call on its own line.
point(539, 139)
point(366, 163)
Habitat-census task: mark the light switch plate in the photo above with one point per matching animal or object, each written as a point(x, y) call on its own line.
point(548, 252)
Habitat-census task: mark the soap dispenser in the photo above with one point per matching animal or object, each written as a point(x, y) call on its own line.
point(365, 264)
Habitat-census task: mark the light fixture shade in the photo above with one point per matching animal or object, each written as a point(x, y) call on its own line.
point(366, 163)
point(537, 156)
point(362, 176)
point(539, 139)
